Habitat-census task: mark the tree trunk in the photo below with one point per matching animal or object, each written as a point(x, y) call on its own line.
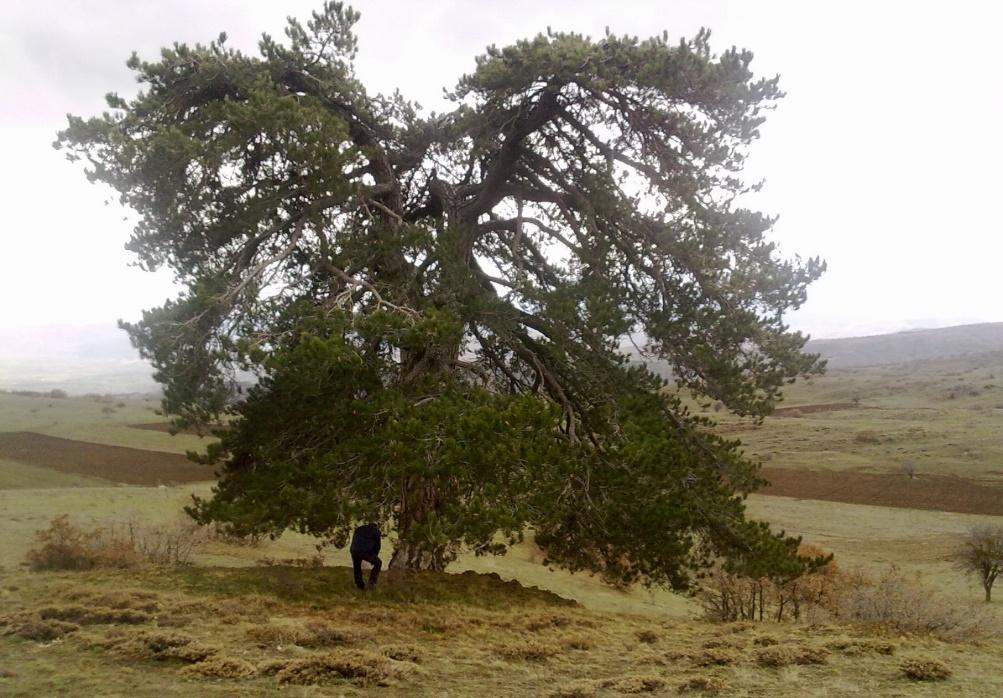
point(415, 557)
point(989, 591)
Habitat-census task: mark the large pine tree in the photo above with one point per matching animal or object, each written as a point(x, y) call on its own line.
point(434, 306)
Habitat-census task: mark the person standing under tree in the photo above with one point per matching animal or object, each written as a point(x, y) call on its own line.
point(366, 547)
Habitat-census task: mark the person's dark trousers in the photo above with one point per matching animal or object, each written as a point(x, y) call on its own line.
point(372, 559)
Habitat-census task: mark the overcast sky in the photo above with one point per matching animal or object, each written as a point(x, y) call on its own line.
point(884, 158)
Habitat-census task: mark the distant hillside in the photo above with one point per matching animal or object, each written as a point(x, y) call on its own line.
point(914, 345)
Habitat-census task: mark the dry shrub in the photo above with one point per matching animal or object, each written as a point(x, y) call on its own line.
point(925, 669)
point(359, 666)
point(715, 656)
point(578, 642)
point(893, 602)
point(402, 653)
point(162, 647)
point(649, 637)
point(635, 684)
point(529, 651)
point(44, 630)
point(64, 546)
point(219, 533)
point(578, 689)
point(787, 655)
point(704, 684)
point(727, 596)
point(861, 646)
point(868, 437)
point(220, 668)
point(94, 615)
point(765, 641)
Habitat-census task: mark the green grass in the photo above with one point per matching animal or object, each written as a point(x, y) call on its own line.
point(15, 475)
point(83, 419)
point(906, 415)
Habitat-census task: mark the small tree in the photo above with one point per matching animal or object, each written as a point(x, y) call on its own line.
point(982, 554)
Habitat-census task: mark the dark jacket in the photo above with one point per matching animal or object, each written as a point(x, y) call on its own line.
point(366, 540)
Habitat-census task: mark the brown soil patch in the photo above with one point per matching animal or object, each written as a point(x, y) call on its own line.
point(132, 466)
point(933, 492)
point(798, 410)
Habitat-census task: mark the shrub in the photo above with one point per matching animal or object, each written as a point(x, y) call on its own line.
point(896, 603)
point(867, 437)
point(715, 656)
point(786, 655)
point(925, 669)
point(64, 546)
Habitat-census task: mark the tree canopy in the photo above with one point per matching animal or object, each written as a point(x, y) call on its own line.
point(434, 306)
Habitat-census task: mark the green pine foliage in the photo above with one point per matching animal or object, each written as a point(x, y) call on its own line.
point(434, 305)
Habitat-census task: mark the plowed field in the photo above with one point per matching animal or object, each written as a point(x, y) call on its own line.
point(131, 466)
point(936, 492)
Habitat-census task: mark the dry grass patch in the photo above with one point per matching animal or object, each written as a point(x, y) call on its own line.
point(402, 653)
point(635, 684)
point(39, 630)
point(577, 689)
point(220, 668)
point(310, 635)
point(925, 669)
point(704, 684)
point(578, 642)
point(161, 646)
point(649, 637)
point(547, 622)
point(94, 615)
point(527, 651)
point(361, 667)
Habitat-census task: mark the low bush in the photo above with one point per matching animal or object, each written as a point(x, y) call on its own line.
point(715, 656)
point(893, 602)
point(925, 669)
point(788, 655)
point(63, 546)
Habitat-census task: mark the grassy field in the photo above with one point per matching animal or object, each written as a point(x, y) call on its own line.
point(939, 417)
point(250, 620)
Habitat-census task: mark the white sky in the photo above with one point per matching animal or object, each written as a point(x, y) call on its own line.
point(884, 158)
